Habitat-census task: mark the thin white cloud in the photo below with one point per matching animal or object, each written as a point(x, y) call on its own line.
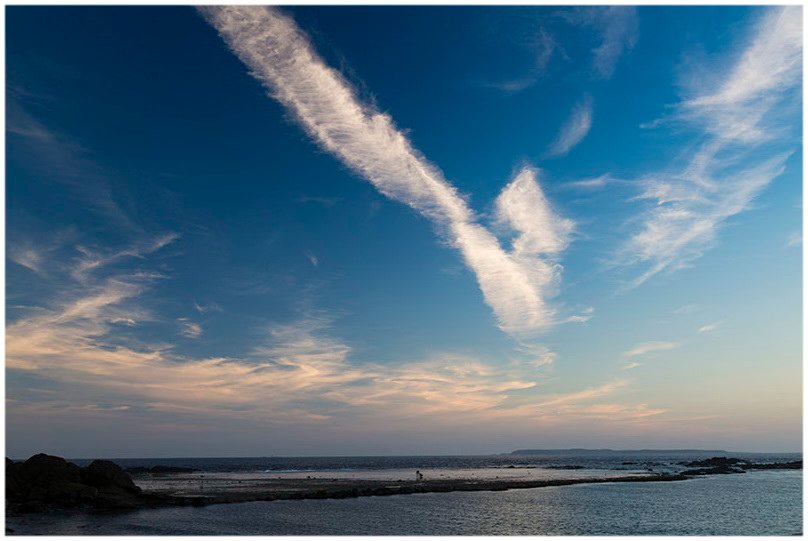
point(687, 309)
point(574, 130)
point(583, 317)
point(313, 259)
point(26, 257)
point(280, 56)
point(189, 329)
point(708, 328)
point(586, 394)
point(794, 239)
point(722, 176)
point(645, 348)
point(206, 308)
point(42, 149)
point(631, 365)
point(543, 46)
point(619, 27)
point(590, 183)
point(92, 260)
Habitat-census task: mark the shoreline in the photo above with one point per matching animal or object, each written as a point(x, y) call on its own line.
point(320, 489)
point(46, 482)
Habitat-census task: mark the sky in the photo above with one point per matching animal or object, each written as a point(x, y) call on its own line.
point(345, 230)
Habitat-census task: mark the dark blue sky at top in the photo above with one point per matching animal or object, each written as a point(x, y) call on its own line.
point(147, 107)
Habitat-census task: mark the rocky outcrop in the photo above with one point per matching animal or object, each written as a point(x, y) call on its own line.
point(716, 462)
point(45, 481)
point(795, 465)
point(725, 465)
point(713, 471)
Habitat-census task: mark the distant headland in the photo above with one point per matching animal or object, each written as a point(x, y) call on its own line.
point(582, 451)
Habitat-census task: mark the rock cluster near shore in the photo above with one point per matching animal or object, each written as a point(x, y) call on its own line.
point(719, 465)
point(50, 481)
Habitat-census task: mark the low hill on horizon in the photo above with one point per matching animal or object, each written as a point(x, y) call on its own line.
point(582, 451)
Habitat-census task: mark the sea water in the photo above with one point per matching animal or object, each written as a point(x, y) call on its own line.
point(755, 503)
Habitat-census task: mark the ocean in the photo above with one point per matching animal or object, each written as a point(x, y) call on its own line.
point(767, 502)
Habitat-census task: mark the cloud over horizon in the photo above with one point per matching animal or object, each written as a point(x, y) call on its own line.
point(295, 372)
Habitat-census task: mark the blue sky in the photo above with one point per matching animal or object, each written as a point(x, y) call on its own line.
point(393, 230)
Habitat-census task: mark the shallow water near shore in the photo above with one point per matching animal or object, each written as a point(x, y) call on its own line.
point(756, 503)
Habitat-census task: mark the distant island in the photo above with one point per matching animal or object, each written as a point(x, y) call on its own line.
point(579, 452)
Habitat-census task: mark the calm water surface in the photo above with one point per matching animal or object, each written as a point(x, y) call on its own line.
point(756, 503)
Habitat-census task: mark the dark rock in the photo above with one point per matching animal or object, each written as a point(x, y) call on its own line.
point(725, 465)
point(713, 471)
point(67, 491)
point(795, 465)
point(43, 482)
point(46, 479)
point(43, 469)
point(14, 481)
point(106, 475)
point(716, 462)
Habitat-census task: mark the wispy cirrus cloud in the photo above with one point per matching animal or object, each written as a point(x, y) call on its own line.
point(794, 239)
point(590, 183)
point(574, 130)
point(617, 28)
point(281, 57)
point(43, 149)
point(313, 259)
point(27, 256)
point(584, 395)
point(642, 349)
point(189, 329)
point(710, 327)
point(92, 259)
point(294, 373)
point(723, 174)
point(543, 47)
point(203, 308)
point(645, 348)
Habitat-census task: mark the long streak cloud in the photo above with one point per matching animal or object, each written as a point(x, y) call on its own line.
point(281, 57)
